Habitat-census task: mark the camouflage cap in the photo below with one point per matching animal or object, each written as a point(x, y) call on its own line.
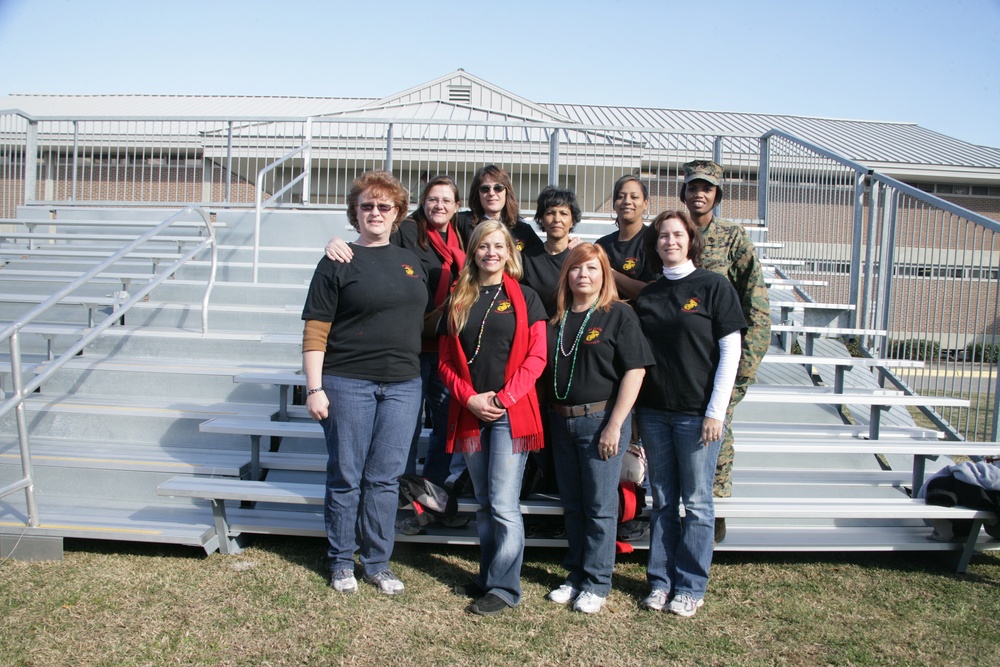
point(704, 170)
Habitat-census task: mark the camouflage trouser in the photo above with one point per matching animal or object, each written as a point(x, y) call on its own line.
point(723, 485)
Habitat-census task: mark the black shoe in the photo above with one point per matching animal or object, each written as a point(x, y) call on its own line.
point(720, 530)
point(469, 590)
point(631, 530)
point(488, 605)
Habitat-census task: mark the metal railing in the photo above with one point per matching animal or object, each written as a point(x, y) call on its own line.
point(260, 202)
point(912, 264)
point(12, 333)
point(917, 266)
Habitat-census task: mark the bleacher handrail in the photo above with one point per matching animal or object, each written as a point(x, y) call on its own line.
point(260, 202)
point(22, 390)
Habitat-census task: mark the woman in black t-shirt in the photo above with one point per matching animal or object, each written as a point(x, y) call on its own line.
point(492, 353)
point(625, 246)
point(693, 322)
point(360, 352)
point(557, 214)
point(431, 234)
point(492, 197)
point(597, 359)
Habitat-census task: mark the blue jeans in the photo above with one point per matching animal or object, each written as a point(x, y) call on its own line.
point(681, 468)
point(588, 487)
point(437, 461)
point(496, 473)
point(366, 438)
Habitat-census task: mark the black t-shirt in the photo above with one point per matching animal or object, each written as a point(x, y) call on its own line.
point(683, 321)
point(487, 368)
point(628, 257)
point(406, 237)
point(611, 345)
point(376, 305)
point(524, 236)
point(541, 273)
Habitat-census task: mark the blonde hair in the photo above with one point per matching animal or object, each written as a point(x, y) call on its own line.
point(466, 291)
point(584, 252)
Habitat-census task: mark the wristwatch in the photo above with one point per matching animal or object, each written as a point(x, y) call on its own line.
point(310, 392)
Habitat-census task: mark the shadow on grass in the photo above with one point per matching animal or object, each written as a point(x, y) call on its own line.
point(451, 565)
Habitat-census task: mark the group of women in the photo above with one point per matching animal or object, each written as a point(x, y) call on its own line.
point(509, 331)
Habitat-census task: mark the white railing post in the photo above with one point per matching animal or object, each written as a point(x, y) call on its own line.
point(388, 148)
point(307, 161)
point(554, 157)
point(31, 162)
point(229, 163)
point(22, 429)
point(763, 176)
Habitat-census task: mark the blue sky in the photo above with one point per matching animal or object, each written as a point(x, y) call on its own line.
point(929, 62)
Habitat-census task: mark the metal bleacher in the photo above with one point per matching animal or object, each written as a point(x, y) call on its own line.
point(156, 424)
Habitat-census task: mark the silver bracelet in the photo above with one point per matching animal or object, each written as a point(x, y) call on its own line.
point(310, 392)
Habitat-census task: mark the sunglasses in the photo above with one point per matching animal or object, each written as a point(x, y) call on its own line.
point(382, 208)
point(497, 188)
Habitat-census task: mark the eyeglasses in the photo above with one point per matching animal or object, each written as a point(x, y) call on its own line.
point(382, 208)
point(434, 201)
point(496, 187)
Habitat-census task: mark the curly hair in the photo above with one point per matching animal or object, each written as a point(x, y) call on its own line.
point(377, 184)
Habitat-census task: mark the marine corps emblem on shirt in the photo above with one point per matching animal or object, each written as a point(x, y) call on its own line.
point(691, 305)
point(519, 244)
point(593, 335)
point(408, 270)
point(503, 306)
point(629, 264)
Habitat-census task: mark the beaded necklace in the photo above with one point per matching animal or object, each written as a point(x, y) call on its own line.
point(482, 326)
point(572, 350)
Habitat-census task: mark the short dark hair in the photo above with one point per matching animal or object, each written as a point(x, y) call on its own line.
point(695, 243)
point(553, 196)
point(378, 184)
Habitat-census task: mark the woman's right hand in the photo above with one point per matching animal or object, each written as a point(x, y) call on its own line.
point(337, 250)
point(481, 405)
point(318, 405)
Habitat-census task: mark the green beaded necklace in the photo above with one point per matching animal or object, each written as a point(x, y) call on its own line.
point(573, 350)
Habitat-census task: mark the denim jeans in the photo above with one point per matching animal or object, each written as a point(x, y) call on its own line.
point(588, 487)
point(496, 473)
point(681, 468)
point(437, 461)
point(366, 438)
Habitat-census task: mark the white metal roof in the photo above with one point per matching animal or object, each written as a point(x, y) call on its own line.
point(865, 141)
point(897, 147)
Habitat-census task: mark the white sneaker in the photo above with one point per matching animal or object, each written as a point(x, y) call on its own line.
point(386, 582)
point(588, 603)
point(563, 595)
point(656, 600)
point(343, 581)
point(685, 605)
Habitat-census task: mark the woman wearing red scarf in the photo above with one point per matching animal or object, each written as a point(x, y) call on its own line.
point(431, 235)
point(492, 352)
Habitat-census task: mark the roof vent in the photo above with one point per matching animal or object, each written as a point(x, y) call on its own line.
point(460, 94)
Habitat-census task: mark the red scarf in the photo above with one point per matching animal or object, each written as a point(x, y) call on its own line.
point(525, 417)
point(451, 254)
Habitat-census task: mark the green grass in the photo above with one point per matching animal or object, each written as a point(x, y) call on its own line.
point(129, 604)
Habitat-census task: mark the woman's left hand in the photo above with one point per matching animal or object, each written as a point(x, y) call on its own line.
point(607, 446)
point(711, 430)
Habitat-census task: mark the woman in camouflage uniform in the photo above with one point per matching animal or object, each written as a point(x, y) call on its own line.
point(729, 251)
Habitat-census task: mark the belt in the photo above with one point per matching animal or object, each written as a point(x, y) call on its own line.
point(578, 410)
